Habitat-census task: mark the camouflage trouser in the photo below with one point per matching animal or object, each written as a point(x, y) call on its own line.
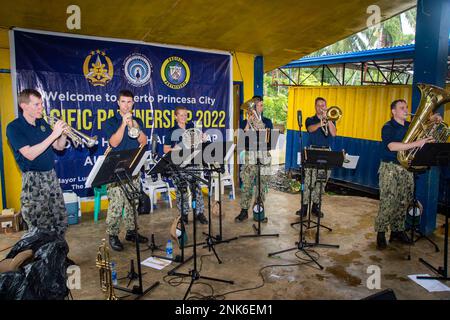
point(311, 182)
point(198, 194)
point(118, 202)
point(249, 177)
point(42, 202)
point(396, 193)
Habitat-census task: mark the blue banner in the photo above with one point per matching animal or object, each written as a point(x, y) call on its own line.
point(80, 77)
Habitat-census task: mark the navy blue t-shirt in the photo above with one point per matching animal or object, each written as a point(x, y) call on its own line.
point(173, 137)
point(318, 137)
point(392, 132)
point(112, 125)
point(20, 133)
point(267, 122)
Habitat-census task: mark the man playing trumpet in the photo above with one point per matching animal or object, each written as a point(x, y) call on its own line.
point(321, 132)
point(33, 141)
point(123, 133)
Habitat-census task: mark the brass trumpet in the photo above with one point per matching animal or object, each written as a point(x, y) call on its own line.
point(103, 263)
point(76, 136)
point(133, 129)
point(333, 113)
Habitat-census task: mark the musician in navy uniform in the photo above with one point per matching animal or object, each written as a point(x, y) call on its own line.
point(317, 127)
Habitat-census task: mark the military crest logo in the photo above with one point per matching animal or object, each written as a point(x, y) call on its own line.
point(175, 72)
point(98, 68)
point(137, 69)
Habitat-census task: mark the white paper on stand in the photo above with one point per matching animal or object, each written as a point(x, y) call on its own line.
point(350, 162)
point(430, 285)
point(156, 263)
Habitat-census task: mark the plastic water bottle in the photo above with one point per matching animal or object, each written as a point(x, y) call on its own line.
point(230, 195)
point(169, 249)
point(113, 273)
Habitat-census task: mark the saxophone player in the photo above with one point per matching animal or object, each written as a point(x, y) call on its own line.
point(173, 138)
point(33, 142)
point(249, 169)
point(395, 182)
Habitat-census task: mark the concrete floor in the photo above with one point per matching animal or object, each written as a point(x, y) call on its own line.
point(345, 269)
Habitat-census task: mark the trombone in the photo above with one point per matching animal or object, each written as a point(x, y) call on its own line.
point(77, 137)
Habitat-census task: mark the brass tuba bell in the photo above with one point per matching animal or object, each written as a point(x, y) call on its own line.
point(432, 97)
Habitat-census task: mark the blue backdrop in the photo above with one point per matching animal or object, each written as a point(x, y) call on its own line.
point(81, 76)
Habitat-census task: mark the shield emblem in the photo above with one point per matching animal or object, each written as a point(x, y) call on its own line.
point(175, 72)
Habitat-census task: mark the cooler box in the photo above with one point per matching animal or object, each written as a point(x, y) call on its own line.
point(72, 206)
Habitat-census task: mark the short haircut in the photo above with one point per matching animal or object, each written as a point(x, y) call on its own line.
point(257, 98)
point(319, 99)
point(126, 93)
point(24, 95)
point(394, 103)
point(179, 109)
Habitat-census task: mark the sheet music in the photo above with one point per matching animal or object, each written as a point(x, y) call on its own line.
point(94, 171)
point(350, 162)
point(141, 163)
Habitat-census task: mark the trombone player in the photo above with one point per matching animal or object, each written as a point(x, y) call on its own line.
point(321, 132)
point(123, 133)
point(33, 142)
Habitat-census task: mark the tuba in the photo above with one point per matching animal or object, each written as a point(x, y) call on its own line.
point(333, 113)
point(432, 97)
point(249, 107)
point(77, 137)
point(103, 263)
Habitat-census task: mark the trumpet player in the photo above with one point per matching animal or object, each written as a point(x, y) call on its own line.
point(395, 182)
point(33, 143)
point(321, 132)
point(123, 133)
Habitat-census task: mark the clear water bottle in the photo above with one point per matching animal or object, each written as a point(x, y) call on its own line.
point(113, 273)
point(169, 249)
point(230, 195)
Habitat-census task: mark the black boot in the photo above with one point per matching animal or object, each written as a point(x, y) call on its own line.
point(115, 243)
point(202, 219)
point(131, 236)
point(381, 241)
point(315, 210)
point(303, 211)
point(399, 236)
point(242, 216)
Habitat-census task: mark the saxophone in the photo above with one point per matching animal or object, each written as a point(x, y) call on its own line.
point(432, 97)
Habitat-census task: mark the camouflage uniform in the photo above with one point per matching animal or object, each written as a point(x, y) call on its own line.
point(199, 195)
point(311, 180)
point(118, 201)
point(249, 176)
point(42, 201)
point(396, 193)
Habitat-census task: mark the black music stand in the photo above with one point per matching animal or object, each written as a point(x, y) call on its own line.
point(436, 154)
point(261, 143)
point(190, 178)
point(209, 167)
point(317, 159)
point(166, 167)
point(118, 167)
point(310, 221)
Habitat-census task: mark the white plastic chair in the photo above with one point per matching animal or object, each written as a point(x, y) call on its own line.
point(226, 177)
point(152, 188)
